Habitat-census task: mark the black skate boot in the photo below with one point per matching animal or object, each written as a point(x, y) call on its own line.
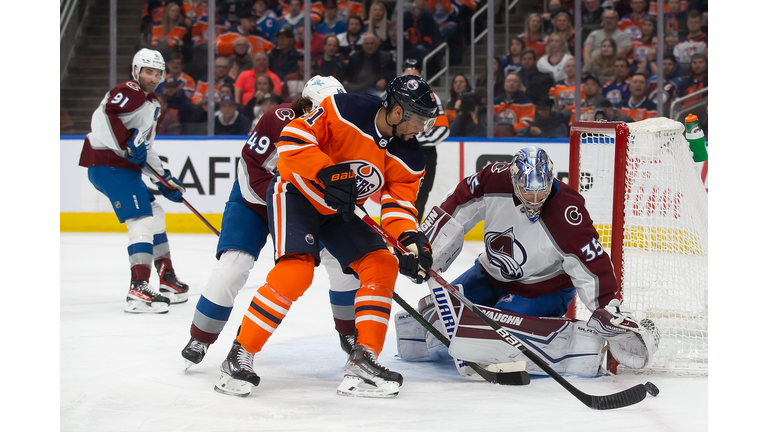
point(363, 368)
point(143, 298)
point(347, 342)
point(194, 352)
point(170, 285)
point(237, 375)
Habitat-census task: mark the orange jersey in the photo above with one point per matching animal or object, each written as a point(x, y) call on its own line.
point(201, 27)
point(175, 35)
point(194, 13)
point(316, 10)
point(565, 95)
point(343, 129)
point(348, 8)
point(632, 28)
point(653, 7)
point(638, 52)
point(225, 41)
point(642, 110)
point(518, 111)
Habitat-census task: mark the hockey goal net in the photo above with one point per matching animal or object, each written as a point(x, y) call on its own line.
point(648, 203)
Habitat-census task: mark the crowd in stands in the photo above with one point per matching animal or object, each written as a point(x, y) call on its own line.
point(259, 60)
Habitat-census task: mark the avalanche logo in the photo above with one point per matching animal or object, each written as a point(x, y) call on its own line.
point(369, 178)
point(505, 252)
point(573, 216)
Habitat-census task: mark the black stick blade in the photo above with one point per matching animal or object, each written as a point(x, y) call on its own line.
point(514, 378)
point(621, 399)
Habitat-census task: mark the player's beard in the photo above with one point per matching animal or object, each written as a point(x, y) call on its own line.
point(145, 86)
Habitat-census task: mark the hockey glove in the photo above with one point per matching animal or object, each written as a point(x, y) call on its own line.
point(415, 264)
point(174, 193)
point(340, 185)
point(137, 152)
point(631, 343)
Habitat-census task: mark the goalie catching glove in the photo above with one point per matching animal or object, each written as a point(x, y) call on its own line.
point(340, 185)
point(631, 343)
point(415, 264)
point(174, 193)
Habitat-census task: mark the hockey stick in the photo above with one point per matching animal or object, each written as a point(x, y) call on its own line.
point(621, 399)
point(502, 378)
point(189, 206)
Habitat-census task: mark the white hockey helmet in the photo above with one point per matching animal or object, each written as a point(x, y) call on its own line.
point(320, 87)
point(147, 58)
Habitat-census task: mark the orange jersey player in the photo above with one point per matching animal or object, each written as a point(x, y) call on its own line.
point(330, 161)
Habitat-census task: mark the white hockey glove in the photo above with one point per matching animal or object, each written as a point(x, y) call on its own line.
point(631, 343)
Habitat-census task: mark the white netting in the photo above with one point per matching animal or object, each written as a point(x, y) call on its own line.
point(665, 234)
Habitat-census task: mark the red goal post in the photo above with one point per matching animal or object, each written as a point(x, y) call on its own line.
point(654, 226)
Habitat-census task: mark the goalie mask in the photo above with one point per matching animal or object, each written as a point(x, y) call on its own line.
point(532, 176)
point(320, 87)
point(147, 58)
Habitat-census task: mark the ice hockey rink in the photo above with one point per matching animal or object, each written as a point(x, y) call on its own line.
point(124, 372)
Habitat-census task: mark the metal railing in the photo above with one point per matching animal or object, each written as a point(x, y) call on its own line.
point(71, 14)
point(474, 39)
point(444, 71)
point(675, 111)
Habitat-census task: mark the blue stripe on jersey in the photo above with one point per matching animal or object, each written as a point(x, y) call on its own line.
point(345, 298)
point(266, 314)
point(160, 238)
point(284, 138)
point(212, 310)
point(398, 206)
point(137, 248)
point(381, 309)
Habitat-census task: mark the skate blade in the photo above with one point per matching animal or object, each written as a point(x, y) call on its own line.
point(232, 387)
point(188, 364)
point(353, 386)
point(140, 307)
point(174, 297)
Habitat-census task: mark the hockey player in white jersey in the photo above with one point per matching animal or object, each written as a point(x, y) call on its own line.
point(116, 153)
point(540, 248)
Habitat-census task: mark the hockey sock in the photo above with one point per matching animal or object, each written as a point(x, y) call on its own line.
point(373, 302)
point(343, 308)
point(161, 250)
point(215, 305)
point(140, 247)
point(286, 282)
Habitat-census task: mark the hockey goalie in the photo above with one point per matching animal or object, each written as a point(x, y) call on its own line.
point(540, 247)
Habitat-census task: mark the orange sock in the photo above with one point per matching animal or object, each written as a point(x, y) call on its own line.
point(373, 301)
point(286, 282)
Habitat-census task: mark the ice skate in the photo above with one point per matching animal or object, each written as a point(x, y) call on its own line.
point(171, 286)
point(237, 375)
point(142, 298)
point(194, 352)
point(347, 342)
point(365, 377)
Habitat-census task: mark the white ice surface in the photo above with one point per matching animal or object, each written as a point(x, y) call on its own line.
point(124, 372)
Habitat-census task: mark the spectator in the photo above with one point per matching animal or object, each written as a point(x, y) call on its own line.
point(536, 84)
point(672, 82)
point(245, 83)
point(247, 28)
point(696, 41)
point(548, 17)
point(316, 11)
point(647, 66)
point(329, 64)
point(333, 22)
point(603, 65)
point(638, 106)
point(459, 86)
point(591, 98)
point(446, 15)
point(176, 70)
point(564, 28)
point(420, 28)
point(547, 123)
point(564, 91)
point(241, 59)
point(555, 59)
point(263, 87)
point(511, 63)
point(317, 41)
point(178, 104)
point(167, 123)
point(631, 24)
point(605, 111)
point(200, 33)
point(370, 69)
point(533, 34)
point(610, 30)
point(294, 82)
point(350, 42)
point(697, 80)
point(591, 17)
point(642, 46)
point(167, 37)
point(513, 107)
point(220, 68)
point(498, 77)
point(469, 121)
point(617, 89)
point(294, 15)
point(153, 15)
point(266, 21)
point(675, 19)
point(284, 59)
point(266, 103)
point(349, 8)
point(192, 11)
point(377, 20)
point(229, 121)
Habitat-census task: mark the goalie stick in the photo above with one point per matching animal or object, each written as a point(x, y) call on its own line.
point(189, 206)
point(621, 399)
point(502, 378)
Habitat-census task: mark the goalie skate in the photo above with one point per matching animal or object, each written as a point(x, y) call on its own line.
point(142, 298)
point(365, 377)
point(237, 375)
point(171, 287)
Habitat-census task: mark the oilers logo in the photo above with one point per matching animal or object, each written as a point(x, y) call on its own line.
point(369, 178)
point(508, 116)
point(506, 252)
point(566, 98)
